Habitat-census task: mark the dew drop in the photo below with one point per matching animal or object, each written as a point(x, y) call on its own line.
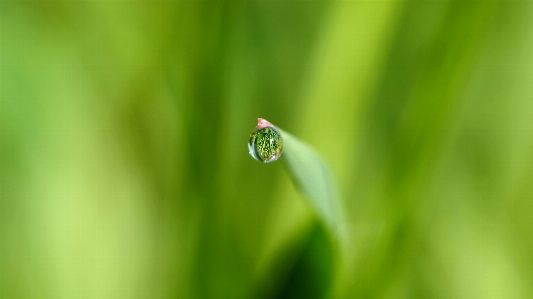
point(266, 144)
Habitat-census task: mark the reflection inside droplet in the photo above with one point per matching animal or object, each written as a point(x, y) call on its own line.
point(266, 144)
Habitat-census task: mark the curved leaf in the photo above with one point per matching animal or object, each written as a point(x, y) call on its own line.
point(308, 170)
point(314, 179)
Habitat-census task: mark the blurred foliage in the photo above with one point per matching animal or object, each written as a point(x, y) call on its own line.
point(124, 170)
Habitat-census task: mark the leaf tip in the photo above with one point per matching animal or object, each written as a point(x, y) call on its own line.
point(263, 123)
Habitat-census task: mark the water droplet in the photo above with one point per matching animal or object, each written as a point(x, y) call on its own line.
point(266, 144)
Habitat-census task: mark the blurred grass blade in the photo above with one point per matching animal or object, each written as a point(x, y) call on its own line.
point(313, 178)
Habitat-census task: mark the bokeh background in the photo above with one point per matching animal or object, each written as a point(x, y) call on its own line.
point(124, 170)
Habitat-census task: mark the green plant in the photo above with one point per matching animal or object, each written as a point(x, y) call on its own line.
point(311, 258)
point(307, 169)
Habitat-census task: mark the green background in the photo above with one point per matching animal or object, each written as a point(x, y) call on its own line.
point(124, 170)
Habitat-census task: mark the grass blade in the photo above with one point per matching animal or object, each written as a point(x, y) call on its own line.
point(310, 174)
point(314, 179)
